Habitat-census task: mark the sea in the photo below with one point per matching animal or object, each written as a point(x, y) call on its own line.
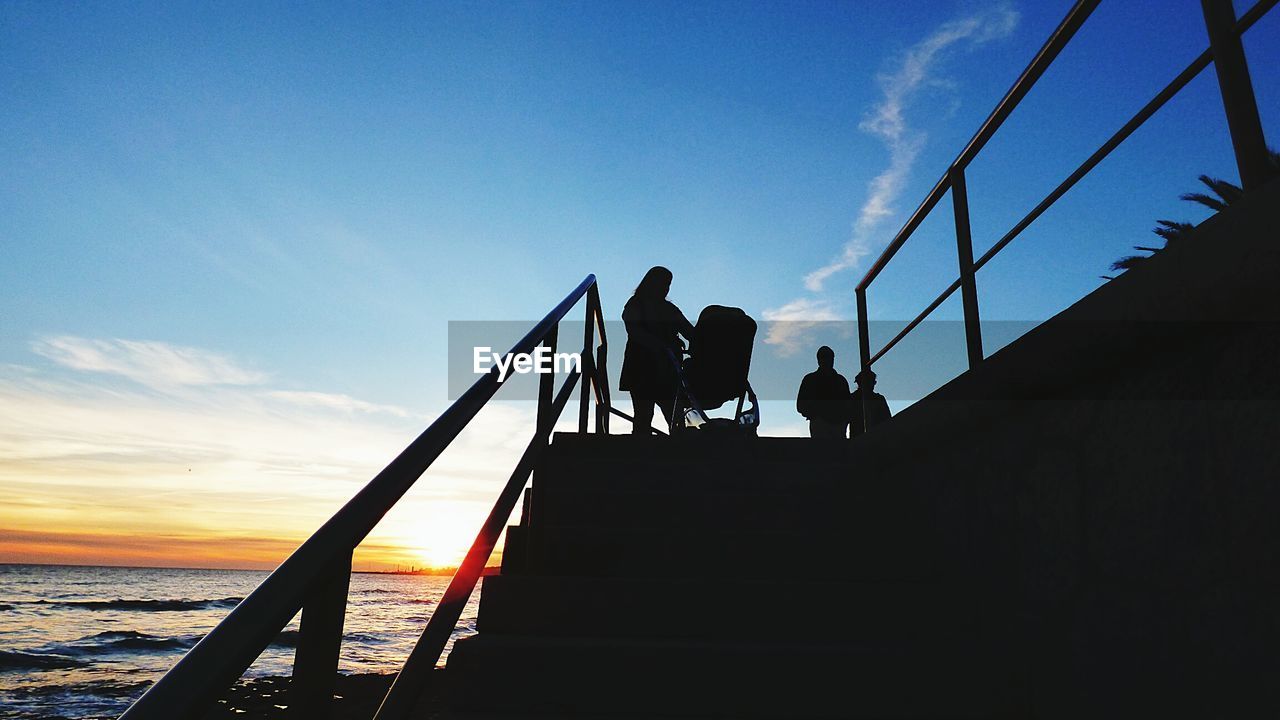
point(84, 642)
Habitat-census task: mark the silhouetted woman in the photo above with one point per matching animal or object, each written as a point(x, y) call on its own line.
point(653, 323)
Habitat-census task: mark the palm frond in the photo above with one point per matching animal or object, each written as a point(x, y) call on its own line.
point(1208, 201)
point(1173, 232)
point(1229, 192)
point(1129, 262)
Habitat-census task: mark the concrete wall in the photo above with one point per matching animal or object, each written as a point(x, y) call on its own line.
point(1116, 472)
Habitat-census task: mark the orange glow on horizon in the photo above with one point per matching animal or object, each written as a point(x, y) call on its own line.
point(441, 542)
point(240, 553)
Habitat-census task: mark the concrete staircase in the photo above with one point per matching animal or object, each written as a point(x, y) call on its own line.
point(1082, 526)
point(724, 577)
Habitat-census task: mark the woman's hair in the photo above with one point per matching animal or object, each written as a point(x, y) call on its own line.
point(654, 283)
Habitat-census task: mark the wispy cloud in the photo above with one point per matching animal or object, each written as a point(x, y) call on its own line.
point(787, 326)
point(154, 364)
point(197, 449)
point(889, 121)
point(332, 401)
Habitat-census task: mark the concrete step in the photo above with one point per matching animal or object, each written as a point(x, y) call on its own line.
point(692, 508)
point(640, 678)
point(632, 499)
point(824, 612)
point(700, 449)
point(857, 552)
point(442, 713)
point(661, 471)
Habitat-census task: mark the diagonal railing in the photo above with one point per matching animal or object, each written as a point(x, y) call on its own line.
point(314, 579)
point(1226, 53)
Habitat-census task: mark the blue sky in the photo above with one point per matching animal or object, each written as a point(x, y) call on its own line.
point(204, 205)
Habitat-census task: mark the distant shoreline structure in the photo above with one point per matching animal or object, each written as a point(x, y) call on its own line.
point(431, 571)
point(445, 571)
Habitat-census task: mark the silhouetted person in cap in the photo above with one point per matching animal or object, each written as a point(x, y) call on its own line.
point(824, 398)
point(653, 323)
point(877, 406)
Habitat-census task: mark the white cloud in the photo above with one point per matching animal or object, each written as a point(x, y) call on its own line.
point(787, 326)
point(60, 425)
point(207, 455)
point(333, 401)
point(153, 364)
point(888, 122)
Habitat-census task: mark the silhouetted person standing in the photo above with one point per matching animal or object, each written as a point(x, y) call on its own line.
point(877, 406)
point(653, 323)
point(824, 398)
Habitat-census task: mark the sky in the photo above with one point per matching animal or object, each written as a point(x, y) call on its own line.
point(234, 235)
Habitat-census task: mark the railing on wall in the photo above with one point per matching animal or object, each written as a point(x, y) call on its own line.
point(314, 579)
point(1226, 53)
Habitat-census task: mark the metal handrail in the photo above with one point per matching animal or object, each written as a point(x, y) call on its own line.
point(314, 579)
point(1237, 93)
point(414, 677)
point(1048, 53)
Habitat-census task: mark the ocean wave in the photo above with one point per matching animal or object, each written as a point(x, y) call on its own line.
point(115, 641)
point(144, 605)
point(77, 691)
point(289, 639)
point(20, 660)
point(66, 700)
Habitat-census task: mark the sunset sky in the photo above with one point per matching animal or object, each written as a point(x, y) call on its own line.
point(234, 233)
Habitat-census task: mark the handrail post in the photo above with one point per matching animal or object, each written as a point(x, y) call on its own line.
point(588, 372)
point(603, 408)
point(546, 381)
point(1247, 138)
point(600, 366)
point(315, 661)
point(222, 656)
point(864, 353)
point(964, 252)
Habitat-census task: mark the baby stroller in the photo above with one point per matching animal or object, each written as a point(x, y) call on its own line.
point(716, 372)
